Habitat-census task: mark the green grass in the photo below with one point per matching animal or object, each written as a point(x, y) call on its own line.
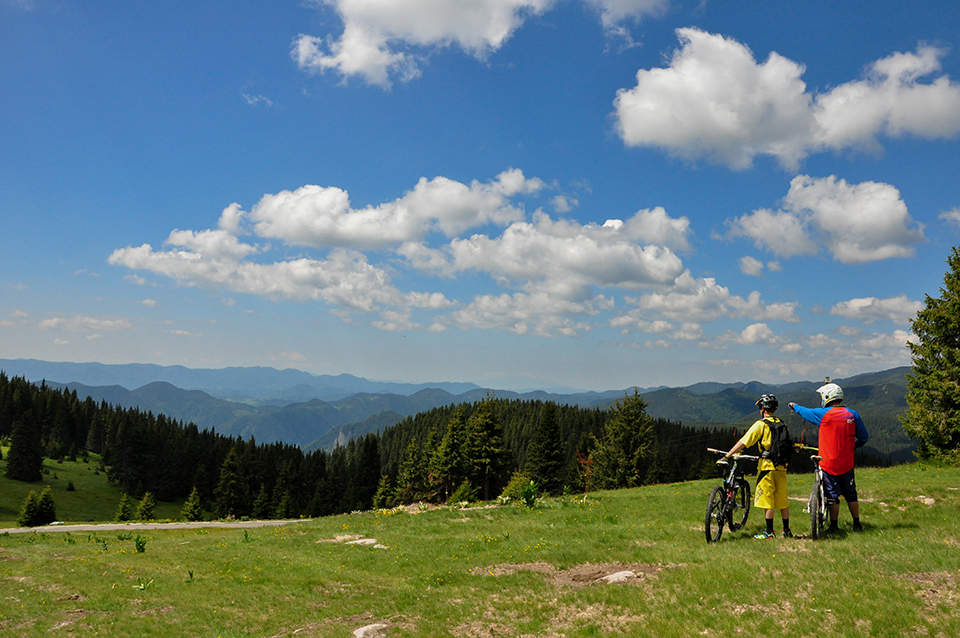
point(512, 571)
point(93, 498)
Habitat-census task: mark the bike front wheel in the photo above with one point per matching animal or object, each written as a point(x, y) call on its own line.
point(741, 505)
point(817, 507)
point(716, 514)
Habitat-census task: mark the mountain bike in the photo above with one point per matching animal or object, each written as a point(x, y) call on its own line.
point(817, 503)
point(729, 503)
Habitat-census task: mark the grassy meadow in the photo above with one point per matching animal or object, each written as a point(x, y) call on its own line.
point(509, 571)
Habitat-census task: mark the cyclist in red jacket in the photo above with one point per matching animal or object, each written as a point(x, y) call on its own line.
point(841, 431)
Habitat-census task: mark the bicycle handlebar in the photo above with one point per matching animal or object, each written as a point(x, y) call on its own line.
point(736, 456)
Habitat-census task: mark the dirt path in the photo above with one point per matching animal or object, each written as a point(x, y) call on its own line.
point(111, 527)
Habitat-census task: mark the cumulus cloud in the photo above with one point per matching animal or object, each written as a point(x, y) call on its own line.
point(564, 257)
point(387, 40)
point(322, 217)
point(951, 216)
point(85, 323)
point(614, 12)
point(714, 101)
point(549, 276)
point(899, 310)
point(751, 266)
point(857, 223)
point(704, 300)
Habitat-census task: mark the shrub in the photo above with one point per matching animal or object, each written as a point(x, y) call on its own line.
point(192, 509)
point(123, 509)
point(146, 507)
point(517, 481)
point(529, 494)
point(37, 510)
point(466, 493)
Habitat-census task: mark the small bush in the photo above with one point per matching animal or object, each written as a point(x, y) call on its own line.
point(38, 510)
point(529, 494)
point(70, 487)
point(517, 482)
point(466, 493)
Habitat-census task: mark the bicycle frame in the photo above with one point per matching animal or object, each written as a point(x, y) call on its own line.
point(726, 499)
point(817, 504)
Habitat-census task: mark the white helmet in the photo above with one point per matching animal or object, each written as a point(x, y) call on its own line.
point(829, 392)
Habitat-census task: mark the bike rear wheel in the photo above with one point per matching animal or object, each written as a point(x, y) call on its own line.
point(741, 504)
point(717, 513)
point(817, 507)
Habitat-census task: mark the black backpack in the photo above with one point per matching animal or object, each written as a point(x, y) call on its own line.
point(781, 447)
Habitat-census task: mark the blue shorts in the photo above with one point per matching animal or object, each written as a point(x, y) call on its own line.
point(836, 486)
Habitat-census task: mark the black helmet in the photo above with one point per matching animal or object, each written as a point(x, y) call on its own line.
point(767, 402)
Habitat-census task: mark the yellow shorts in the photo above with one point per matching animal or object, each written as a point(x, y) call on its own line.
point(771, 493)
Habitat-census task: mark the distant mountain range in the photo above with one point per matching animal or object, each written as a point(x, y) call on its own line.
point(322, 411)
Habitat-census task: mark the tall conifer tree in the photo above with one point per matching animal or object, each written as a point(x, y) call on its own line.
point(627, 436)
point(25, 457)
point(933, 387)
point(545, 454)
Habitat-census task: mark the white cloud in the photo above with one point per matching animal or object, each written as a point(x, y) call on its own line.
point(384, 40)
point(784, 234)
point(704, 300)
point(562, 257)
point(714, 101)
point(891, 101)
point(614, 12)
point(345, 279)
point(322, 217)
point(523, 313)
point(149, 303)
point(85, 322)
point(951, 216)
point(381, 38)
point(857, 223)
point(899, 310)
point(254, 100)
point(551, 272)
point(751, 266)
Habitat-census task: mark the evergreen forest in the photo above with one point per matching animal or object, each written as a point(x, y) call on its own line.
point(458, 452)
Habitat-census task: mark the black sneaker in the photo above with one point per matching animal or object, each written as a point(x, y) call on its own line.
point(787, 533)
point(857, 527)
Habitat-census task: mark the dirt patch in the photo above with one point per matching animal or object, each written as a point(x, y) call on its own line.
point(936, 588)
point(581, 575)
point(71, 597)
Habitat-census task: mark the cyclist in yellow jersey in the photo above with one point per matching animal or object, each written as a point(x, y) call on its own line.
point(771, 493)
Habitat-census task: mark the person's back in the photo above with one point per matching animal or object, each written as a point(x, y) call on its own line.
point(841, 432)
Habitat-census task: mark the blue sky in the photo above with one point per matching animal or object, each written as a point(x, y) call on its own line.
point(587, 194)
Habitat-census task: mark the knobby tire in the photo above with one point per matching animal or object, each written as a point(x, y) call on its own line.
point(741, 504)
point(816, 507)
point(717, 514)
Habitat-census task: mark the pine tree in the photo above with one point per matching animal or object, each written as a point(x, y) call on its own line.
point(46, 507)
point(384, 497)
point(627, 436)
point(545, 454)
point(412, 482)
point(25, 457)
point(261, 506)
point(933, 387)
point(448, 464)
point(29, 511)
point(486, 455)
point(146, 507)
point(229, 491)
point(192, 508)
point(123, 509)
